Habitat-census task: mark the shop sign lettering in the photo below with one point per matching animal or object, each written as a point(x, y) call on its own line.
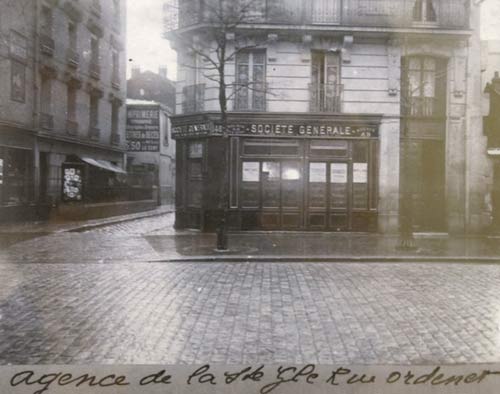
point(143, 129)
point(193, 130)
point(279, 130)
point(251, 379)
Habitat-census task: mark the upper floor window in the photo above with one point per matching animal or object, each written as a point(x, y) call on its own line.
point(72, 35)
point(46, 21)
point(250, 80)
point(424, 86)
point(94, 49)
point(325, 87)
point(424, 11)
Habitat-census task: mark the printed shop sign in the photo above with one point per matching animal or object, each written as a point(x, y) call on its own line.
point(143, 129)
point(251, 379)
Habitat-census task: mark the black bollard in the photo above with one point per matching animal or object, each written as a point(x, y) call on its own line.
point(222, 235)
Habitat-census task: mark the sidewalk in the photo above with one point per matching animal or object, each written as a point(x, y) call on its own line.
point(323, 247)
point(48, 227)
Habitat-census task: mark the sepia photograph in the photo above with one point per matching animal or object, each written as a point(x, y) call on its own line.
point(249, 196)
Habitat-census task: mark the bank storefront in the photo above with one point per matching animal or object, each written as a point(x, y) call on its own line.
point(286, 172)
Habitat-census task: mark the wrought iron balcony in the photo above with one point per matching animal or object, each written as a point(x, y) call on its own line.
point(71, 127)
point(447, 14)
point(115, 139)
point(95, 70)
point(94, 133)
point(422, 107)
point(193, 98)
point(325, 97)
point(46, 121)
point(73, 58)
point(47, 44)
point(115, 81)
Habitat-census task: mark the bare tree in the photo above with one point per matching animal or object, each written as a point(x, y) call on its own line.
point(219, 46)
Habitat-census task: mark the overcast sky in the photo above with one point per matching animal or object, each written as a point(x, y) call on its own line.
point(145, 45)
point(148, 49)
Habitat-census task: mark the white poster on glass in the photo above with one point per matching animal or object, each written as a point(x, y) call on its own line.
point(317, 172)
point(360, 172)
point(338, 173)
point(251, 171)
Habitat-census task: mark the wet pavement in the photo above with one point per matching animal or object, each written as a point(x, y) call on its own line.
point(108, 294)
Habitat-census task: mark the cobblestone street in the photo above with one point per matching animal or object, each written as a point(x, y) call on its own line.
point(93, 297)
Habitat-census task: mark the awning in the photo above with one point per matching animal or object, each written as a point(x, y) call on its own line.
point(104, 164)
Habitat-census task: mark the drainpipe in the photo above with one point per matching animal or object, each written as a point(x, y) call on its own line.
point(36, 149)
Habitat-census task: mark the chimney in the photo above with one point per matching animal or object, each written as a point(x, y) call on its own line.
point(162, 71)
point(136, 71)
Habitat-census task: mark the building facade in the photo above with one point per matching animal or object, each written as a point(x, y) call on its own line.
point(151, 150)
point(62, 103)
point(341, 116)
point(150, 86)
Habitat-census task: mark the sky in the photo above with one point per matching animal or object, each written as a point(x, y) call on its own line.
point(145, 46)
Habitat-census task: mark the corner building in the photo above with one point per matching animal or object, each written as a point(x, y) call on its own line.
point(365, 105)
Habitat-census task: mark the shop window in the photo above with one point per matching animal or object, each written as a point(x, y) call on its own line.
point(16, 176)
point(424, 11)
point(250, 87)
point(328, 148)
point(271, 147)
point(195, 174)
point(424, 87)
point(360, 175)
point(325, 88)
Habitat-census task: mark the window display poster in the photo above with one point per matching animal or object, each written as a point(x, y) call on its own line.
point(72, 182)
point(251, 171)
point(1, 171)
point(196, 150)
point(317, 172)
point(338, 173)
point(360, 172)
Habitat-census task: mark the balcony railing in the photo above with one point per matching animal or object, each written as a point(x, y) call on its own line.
point(193, 98)
point(94, 133)
point(325, 97)
point(73, 58)
point(422, 107)
point(250, 97)
point(115, 139)
point(450, 14)
point(46, 121)
point(115, 81)
point(47, 44)
point(95, 70)
point(71, 127)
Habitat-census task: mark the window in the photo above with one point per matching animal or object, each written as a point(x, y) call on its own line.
point(424, 11)
point(94, 111)
point(46, 95)
point(116, 14)
point(71, 97)
point(325, 88)
point(72, 37)
point(94, 50)
point(250, 81)
point(425, 86)
point(116, 68)
point(115, 113)
point(46, 21)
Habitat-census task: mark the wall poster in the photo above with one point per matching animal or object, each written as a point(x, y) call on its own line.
point(338, 173)
point(317, 172)
point(360, 172)
point(72, 184)
point(251, 171)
